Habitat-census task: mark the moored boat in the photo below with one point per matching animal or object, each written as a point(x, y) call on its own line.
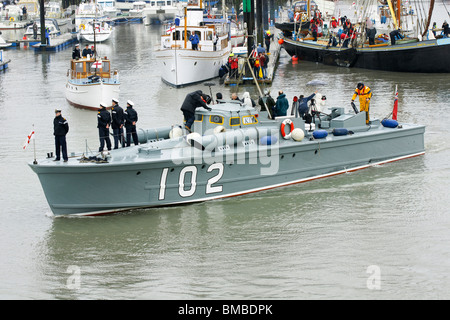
point(408, 54)
point(3, 43)
point(88, 12)
point(233, 150)
point(101, 33)
point(11, 18)
point(136, 13)
point(91, 81)
point(162, 10)
point(182, 65)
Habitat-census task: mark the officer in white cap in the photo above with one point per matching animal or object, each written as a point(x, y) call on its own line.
point(76, 53)
point(117, 123)
point(103, 124)
point(131, 117)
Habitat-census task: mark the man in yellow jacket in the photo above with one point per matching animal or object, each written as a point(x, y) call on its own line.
point(364, 94)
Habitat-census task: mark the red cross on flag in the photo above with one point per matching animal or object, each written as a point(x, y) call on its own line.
point(171, 29)
point(97, 64)
point(28, 139)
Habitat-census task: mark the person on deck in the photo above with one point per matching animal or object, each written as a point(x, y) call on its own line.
point(76, 54)
point(446, 29)
point(86, 51)
point(117, 123)
point(394, 35)
point(192, 101)
point(266, 102)
point(131, 117)
point(314, 30)
point(281, 106)
point(303, 104)
point(103, 124)
point(234, 63)
point(60, 129)
point(365, 94)
point(193, 38)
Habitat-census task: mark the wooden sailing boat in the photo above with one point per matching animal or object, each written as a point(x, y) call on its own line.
point(410, 54)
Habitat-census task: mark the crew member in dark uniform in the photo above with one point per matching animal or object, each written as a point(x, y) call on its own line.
point(117, 123)
point(87, 51)
point(103, 123)
point(76, 54)
point(131, 117)
point(60, 129)
point(192, 101)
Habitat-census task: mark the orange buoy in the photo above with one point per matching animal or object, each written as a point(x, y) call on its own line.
point(281, 41)
point(24, 38)
point(294, 58)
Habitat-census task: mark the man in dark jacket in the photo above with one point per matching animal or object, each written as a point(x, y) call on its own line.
point(266, 102)
point(103, 123)
point(192, 101)
point(303, 104)
point(131, 117)
point(60, 129)
point(76, 54)
point(117, 123)
point(86, 51)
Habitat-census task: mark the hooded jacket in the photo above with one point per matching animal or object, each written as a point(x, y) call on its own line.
point(281, 106)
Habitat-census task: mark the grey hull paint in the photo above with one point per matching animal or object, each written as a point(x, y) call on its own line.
point(137, 178)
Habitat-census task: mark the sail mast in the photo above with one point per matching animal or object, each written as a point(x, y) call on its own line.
point(391, 8)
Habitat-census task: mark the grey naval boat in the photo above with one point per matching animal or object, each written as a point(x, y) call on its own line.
point(232, 150)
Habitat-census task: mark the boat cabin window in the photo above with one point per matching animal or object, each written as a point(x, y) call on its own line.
point(176, 35)
point(209, 35)
point(152, 3)
point(216, 119)
point(249, 119)
point(198, 117)
point(105, 66)
point(235, 121)
point(160, 3)
point(199, 35)
point(169, 3)
point(79, 67)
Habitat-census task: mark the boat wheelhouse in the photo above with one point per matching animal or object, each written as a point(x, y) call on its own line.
point(91, 81)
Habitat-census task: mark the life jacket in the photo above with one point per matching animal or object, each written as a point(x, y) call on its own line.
point(363, 93)
point(257, 63)
point(334, 23)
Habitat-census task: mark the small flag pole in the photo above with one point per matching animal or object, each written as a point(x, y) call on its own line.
point(34, 148)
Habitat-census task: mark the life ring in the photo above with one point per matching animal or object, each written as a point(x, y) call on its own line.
point(283, 126)
point(11, 19)
point(82, 26)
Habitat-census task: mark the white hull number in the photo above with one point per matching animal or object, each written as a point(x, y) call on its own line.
point(189, 191)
